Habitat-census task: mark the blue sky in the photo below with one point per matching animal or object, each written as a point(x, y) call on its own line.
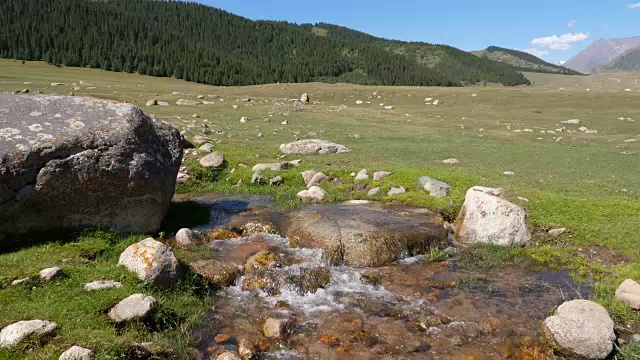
point(552, 29)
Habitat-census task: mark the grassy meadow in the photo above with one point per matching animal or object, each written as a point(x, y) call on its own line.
point(586, 182)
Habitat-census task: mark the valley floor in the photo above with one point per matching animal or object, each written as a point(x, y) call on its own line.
point(583, 179)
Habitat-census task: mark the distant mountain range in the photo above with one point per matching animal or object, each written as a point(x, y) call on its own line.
point(522, 61)
point(608, 54)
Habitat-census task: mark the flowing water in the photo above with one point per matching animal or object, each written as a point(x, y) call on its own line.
point(413, 309)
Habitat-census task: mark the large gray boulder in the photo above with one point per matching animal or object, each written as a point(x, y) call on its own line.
point(73, 162)
point(487, 218)
point(152, 261)
point(311, 146)
point(365, 235)
point(16, 333)
point(581, 329)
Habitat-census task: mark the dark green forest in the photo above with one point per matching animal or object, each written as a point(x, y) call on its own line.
point(206, 45)
point(533, 60)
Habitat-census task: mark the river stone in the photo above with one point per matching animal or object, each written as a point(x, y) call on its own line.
point(77, 353)
point(302, 280)
point(213, 160)
point(186, 237)
point(435, 188)
point(314, 193)
point(16, 333)
point(276, 328)
point(365, 235)
point(217, 273)
point(136, 306)
point(311, 146)
point(260, 260)
point(629, 293)
point(51, 273)
point(228, 355)
point(153, 261)
point(581, 329)
point(487, 218)
point(102, 285)
point(99, 164)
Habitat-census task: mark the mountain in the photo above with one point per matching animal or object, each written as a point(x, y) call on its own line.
point(629, 61)
point(601, 52)
point(203, 44)
point(522, 61)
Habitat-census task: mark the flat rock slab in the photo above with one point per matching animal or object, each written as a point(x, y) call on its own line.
point(73, 162)
point(136, 306)
point(16, 333)
point(581, 329)
point(311, 146)
point(102, 285)
point(363, 235)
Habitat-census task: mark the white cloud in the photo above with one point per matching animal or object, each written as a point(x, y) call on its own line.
point(536, 52)
point(560, 43)
point(572, 23)
point(633, 6)
point(562, 62)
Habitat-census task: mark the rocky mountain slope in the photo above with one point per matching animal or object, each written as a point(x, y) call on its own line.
point(601, 52)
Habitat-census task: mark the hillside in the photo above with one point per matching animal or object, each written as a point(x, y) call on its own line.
point(522, 61)
point(601, 52)
point(444, 59)
point(203, 44)
point(629, 61)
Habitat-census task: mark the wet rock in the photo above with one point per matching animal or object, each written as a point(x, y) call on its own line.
point(186, 237)
point(435, 188)
point(396, 191)
point(304, 98)
point(276, 181)
point(276, 166)
point(314, 193)
point(261, 260)
point(581, 329)
point(102, 285)
point(487, 218)
point(255, 227)
point(556, 232)
point(301, 280)
point(16, 333)
point(311, 146)
point(228, 356)
point(77, 353)
point(629, 293)
point(213, 160)
point(217, 273)
point(136, 306)
point(365, 235)
point(51, 273)
point(258, 179)
point(373, 192)
point(362, 175)
point(379, 175)
point(152, 261)
point(277, 328)
point(100, 164)
point(247, 349)
point(221, 234)
point(185, 102)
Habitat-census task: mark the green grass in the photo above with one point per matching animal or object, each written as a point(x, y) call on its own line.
point(588, 183)
point(81, 315)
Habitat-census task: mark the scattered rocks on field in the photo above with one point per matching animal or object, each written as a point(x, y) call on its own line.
point(435, 188)
point(258, 179)
point(581, 329)
point(20, 331)
point(136, 306)
point(276, 181)
point(276, 166)
point(102, 285)
point(556, 232)
point(152, 261)
point(51, 273)
point(314, 193)
point(629, 293)
point(213, 160)
point(379, 175)
point(311, 146)
point(362, 175)
point(487, 218)
point(77, 353)
point(396, 191)
point(373, 192)
point(277, 328)
point(185, 102)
